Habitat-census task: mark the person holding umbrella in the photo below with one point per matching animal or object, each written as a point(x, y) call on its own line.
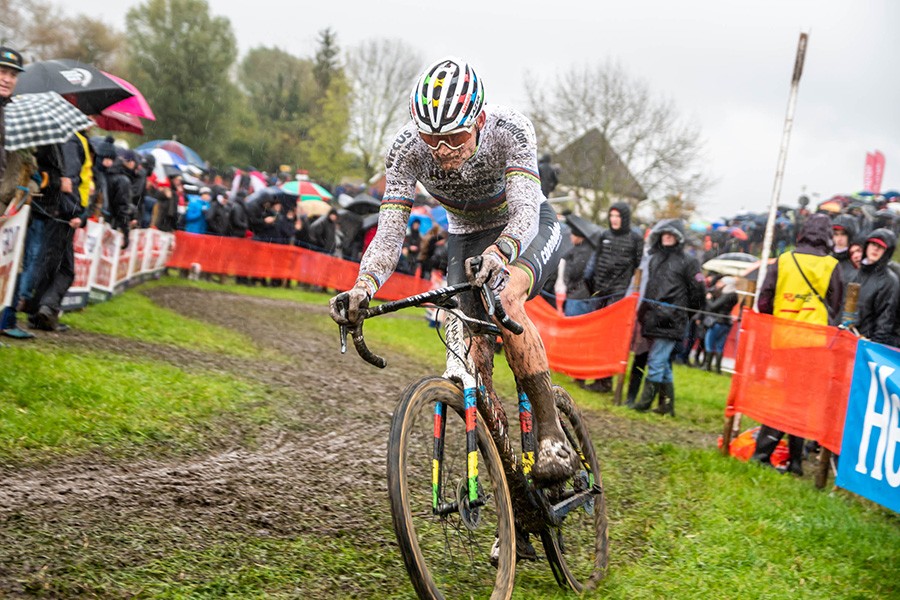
point(10, 67)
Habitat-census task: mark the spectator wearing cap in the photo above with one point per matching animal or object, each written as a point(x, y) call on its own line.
point(10, 67)
point(844, 229)
point(878, 288)
point(218, 217)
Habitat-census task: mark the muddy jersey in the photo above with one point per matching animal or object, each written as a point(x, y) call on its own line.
point(497, 187)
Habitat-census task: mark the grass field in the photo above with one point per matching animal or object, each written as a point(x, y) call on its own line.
point(685, 522)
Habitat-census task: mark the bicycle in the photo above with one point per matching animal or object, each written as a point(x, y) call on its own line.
point(455, 521)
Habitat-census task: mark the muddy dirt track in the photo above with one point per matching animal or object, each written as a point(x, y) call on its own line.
point(318, 468)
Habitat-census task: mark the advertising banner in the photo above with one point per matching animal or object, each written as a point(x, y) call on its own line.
point(86, 245)
point(12, 244)
point(870, 450)
point(104, 280)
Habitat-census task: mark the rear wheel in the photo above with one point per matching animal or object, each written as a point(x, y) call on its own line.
point(578, 549)
point(448, 555)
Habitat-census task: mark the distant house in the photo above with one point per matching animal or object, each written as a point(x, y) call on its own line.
point(593, 170)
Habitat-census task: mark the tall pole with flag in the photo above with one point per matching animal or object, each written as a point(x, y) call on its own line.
point(782, 157)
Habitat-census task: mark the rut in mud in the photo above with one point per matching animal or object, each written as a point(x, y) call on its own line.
point(319, 468)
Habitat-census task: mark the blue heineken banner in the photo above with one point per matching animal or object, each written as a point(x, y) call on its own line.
point(870, 450)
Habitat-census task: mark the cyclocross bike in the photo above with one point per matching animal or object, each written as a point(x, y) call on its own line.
point(457, 489)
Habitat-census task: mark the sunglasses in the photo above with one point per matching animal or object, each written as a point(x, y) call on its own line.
point(454, 140)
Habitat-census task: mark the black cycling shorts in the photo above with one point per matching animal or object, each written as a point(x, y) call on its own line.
point(539, 260)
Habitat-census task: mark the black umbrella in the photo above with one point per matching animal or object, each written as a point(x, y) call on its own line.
point(586, 229)
point(363, 204)
point(89, 88)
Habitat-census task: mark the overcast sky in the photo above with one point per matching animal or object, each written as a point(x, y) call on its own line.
point(726, 65)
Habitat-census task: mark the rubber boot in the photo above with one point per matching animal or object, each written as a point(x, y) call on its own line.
point(795, 451)
point(707, 361)
point(634, 386)
point(717, 357)
point(646, 401)
point(766, 441)
point(666, 399)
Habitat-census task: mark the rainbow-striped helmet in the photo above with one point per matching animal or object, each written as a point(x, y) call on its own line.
point(448, 95)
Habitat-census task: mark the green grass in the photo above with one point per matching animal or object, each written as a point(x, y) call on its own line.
point(685, 522)
point(128, 316)
point(58, 402)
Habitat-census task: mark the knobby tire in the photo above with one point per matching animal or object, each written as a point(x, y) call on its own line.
point(578, 550)
point(447, 557)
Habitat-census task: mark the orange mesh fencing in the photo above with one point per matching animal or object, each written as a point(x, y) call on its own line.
point(588, 346)
point(247, 258)
point(794, 377)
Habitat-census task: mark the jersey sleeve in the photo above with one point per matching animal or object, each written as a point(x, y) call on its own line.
point(523, 185)
point(380, 258)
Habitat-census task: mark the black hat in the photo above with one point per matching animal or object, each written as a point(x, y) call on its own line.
point(104, 148)
point(10, 58)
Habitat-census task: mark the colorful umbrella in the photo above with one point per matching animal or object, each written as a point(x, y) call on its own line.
point(307, 190)
point(41, 119)
point(177, 148)
point(136, 105)
point(85, 86)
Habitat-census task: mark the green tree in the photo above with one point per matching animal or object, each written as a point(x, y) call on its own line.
point(325, 152)
point(326, 66)
point(283, 94)
point(180, 56)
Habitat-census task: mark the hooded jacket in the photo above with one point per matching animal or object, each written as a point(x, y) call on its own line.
point(878, 290)
point(618, 254)
point(851, 227)
point(814, 239)
point(673, 279)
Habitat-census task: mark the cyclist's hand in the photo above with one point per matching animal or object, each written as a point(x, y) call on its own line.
point(346, 307)
point(492, 271)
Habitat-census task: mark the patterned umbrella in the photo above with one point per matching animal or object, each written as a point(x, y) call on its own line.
point(307, 190)
point(41, 119)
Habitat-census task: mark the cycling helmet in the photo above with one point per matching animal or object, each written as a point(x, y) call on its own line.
point(447, 95)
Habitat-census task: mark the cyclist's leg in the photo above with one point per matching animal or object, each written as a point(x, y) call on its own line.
point(525, 353)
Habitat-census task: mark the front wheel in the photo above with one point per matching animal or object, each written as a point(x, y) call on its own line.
point(448, 551)
point(578, 550)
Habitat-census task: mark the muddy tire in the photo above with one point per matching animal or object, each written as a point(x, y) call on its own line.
point(448, 556)
point(578, 550)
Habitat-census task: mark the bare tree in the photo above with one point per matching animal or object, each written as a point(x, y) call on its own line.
point(381, 72)
point(660, 149)
point(40, 31)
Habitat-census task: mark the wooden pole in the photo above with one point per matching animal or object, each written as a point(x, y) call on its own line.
point(849, 318)
point(782, 157)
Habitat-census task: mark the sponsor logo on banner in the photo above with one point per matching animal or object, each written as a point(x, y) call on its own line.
point(12, 241)
point(870, 450)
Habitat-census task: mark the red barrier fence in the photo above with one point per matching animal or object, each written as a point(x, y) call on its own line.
point(246, 258)
point(794, 377)
point(587, 347)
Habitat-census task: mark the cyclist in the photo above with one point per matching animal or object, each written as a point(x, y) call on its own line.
point(480, 162)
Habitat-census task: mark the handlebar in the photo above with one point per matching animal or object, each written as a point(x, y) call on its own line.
point(441, 297)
